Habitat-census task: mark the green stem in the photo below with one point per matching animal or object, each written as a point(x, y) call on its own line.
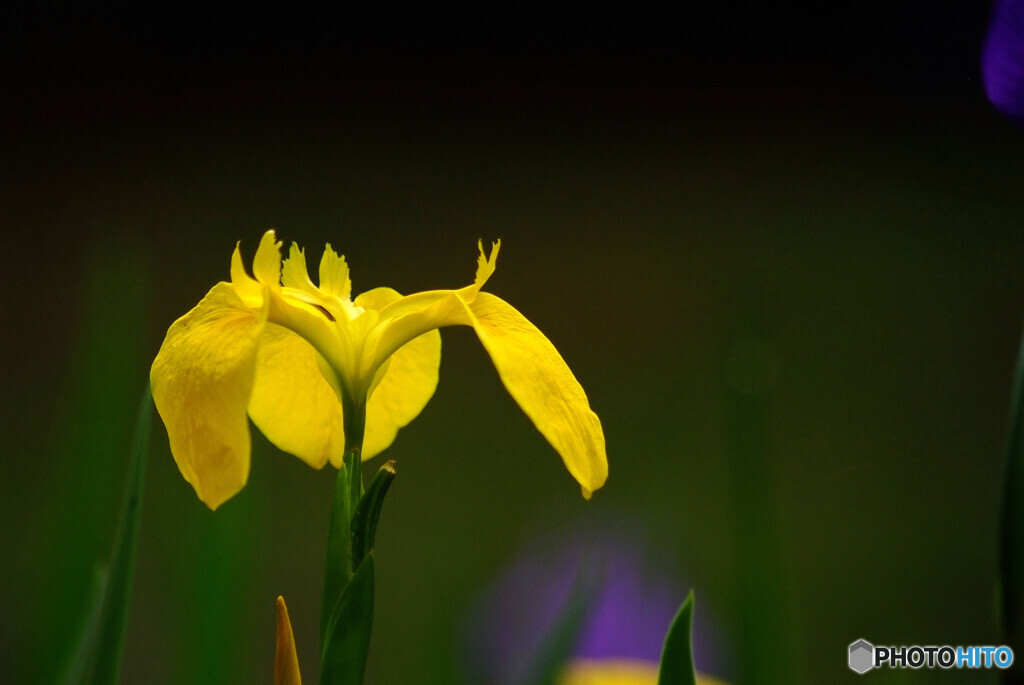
point(355, 428)
point(338, 564)
point(347, 608)
point(348, 489)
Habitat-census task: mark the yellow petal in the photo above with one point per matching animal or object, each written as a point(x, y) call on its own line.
point(286, 661)
point(292, 403)
point(539, 380)
point(266, 265)
point(294, 273)
point(310, 321)
point(619, 672)
point(609, 672)
point(408, 381)
point(334, 278)
point(201, 380)
point(245, 286)
point(485, 266)
point(418, 302)
point(531, 368)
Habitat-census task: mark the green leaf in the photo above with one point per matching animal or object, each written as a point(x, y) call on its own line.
point(556, 648)
point(338, 566)
point(96, 655)
point(80, 664)
point(347, 641)
point(677, 654)
point(1011, 533)
point(364, 521)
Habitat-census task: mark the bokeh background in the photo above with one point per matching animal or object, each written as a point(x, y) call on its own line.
point(781, 249)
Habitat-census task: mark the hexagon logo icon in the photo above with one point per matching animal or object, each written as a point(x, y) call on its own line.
point(862, 656)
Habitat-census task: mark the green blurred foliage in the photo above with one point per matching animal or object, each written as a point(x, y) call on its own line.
point(82, 453)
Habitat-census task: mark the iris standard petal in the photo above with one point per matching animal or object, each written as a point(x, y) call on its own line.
point(266, 265)
point(201, 380)
point(286, 660)
point(291, 403)
point(408, 382)
point(294, 273)
point(244, 285)
point(334, 278)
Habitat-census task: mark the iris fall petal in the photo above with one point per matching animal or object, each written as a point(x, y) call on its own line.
point(201, 380)
point(539, 380)
point(292, 403)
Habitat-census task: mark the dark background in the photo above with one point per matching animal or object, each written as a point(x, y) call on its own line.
point(780, 247)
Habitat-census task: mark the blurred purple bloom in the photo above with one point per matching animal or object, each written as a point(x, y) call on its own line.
point(629, 610)
point(1002, 61)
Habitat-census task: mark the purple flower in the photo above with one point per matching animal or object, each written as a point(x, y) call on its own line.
point(1002, 61)
point(629, 607)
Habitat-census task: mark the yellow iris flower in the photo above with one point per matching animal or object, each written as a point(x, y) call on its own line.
point(312, 367)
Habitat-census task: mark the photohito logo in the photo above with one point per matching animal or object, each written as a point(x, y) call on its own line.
point(863, 656)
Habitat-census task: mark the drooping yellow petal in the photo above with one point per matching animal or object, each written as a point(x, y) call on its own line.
point(541, 383)
point(532, 370)
point(406, 385)
point(292, 403)
point(334, 278)
point(201, 380)
point(286, 660)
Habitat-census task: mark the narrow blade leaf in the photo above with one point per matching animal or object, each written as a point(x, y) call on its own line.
point(347, 641)
point(367, 513)
point(96, 655)
point(677, 654)
point(82, 661)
